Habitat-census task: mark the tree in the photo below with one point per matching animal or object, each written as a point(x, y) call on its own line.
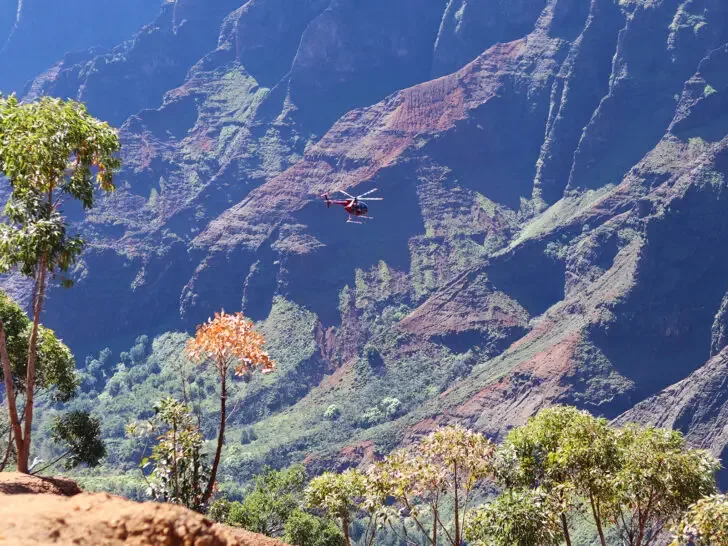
point(705, 523)
point(522, 517)
point(55, 367)
point(180, 473)
point(658, 479)
point(275, 495)
point(569, 454)
point(588, 457)
point(227, 342)
point(50, 151)
point(80, 434)
point(340, 496)
point(448, 463)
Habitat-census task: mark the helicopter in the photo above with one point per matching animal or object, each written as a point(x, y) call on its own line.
point(355, 206)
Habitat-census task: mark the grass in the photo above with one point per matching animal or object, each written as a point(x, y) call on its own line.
point(560, 213)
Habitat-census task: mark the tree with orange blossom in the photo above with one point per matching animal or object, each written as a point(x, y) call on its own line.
point(227, 342)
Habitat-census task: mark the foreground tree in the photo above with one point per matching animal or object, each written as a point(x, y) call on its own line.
point(567, 453)
point(55, 366)
point(441, 471)
point(51, 151)
point(638, 480)
point(704, 524)
point(658, 479)
point(227, 342)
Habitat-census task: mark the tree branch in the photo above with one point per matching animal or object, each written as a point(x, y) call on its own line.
point(63, 456)
point(444, 528)
point(419, 525)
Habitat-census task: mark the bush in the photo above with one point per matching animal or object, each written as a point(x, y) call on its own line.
point(390, 406)
point(371, 417)
point(219, 510)
point(304, 529)
point(332, 412)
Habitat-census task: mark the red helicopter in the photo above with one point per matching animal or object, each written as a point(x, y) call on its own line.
point(355, 206)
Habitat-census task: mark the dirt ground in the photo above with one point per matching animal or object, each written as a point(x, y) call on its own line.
point(36, 511)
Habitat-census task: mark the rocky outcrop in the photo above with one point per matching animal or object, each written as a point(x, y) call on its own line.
point(13, 483)
point(54, 510)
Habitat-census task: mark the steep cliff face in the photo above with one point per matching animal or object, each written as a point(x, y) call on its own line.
point(554, 174)
point(35, 34)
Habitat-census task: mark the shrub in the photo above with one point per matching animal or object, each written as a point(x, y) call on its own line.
point(332, 412)
point(304, 529)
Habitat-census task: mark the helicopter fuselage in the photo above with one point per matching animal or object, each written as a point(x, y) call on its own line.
point(351, 206)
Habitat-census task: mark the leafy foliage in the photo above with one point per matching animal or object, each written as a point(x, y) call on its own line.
point(566, 452)
point(658, 479)
point(705, 523)
point(180, 472)
point(340, 496)
point(81, 435)
point(55, 371)
point(274, 497)
point(49, 150)
point(229, 339)
point(635, 480)
point(274, 506)
point(304, 529)
point(332, 412)
point(518, 517)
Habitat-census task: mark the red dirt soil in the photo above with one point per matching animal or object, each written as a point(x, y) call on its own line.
point(38, 511)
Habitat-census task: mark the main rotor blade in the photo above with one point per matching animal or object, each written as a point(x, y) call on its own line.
point(372, 199)
point(347, 194)
point(367, 193)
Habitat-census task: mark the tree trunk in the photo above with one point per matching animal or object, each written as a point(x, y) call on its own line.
point(458, 540)
point(641, 531)
point(565, 526)
point(10, 394)
point(345, 525)
point(220, 439)
point(434, 530)
point(597, 520)
point(174, 466)
point(24, 453)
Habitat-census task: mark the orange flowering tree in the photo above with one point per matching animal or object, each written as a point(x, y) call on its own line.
point(227, 342)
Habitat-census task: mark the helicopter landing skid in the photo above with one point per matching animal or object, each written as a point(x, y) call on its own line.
point(350, 219)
